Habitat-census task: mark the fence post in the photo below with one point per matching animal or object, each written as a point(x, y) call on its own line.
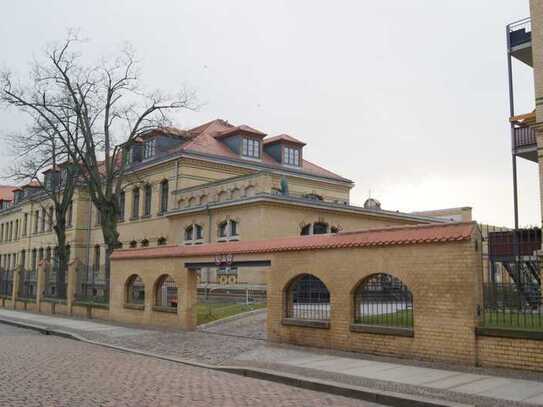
point(15, 285)
point(72, 284)
point(40, 283)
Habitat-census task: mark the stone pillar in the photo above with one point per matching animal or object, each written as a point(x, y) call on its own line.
point(40, 283)
point(71, 284)
point(187, 299)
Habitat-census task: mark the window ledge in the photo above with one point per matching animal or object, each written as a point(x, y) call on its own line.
point(510, 333)
point(138, 307)
point(146, 216)
point(382, 330)
point(171, 310)
point(306, 323)
point(132, 218)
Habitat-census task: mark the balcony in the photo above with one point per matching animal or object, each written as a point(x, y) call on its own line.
point(524, 136)
point(519, 40)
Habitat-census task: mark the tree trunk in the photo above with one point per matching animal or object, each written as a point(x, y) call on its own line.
point(61, 255)
point(111, 238)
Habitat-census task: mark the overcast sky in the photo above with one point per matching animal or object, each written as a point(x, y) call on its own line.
point(406, 98)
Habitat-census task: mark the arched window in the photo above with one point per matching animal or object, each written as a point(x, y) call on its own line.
point(135, 290)
point(166, 292)
point(222, 196)
point(162, 241)
point(194, 234)
point(313, 197)
point(320, 228)
point(307, 298)
point(135, 203)
point(147, 199)
point(164, 193)
point(228, 230)
point(133, 244)
point(192, 201)
point(334, 229)
point(306, 230)
point(236, 194)
point(145, 243)
point(203, 200)
point(383, 300)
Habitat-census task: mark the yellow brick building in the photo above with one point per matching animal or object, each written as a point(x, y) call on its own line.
point(213, 183)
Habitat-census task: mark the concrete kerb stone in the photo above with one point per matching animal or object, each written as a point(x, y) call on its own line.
point(339, 389)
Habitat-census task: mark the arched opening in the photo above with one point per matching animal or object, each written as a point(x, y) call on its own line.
point(307, 298)
point(133, 244)
point(166, 292)
point(306, 230)
point(164, 193)
point(383, 300)
point(161, 241)
point(250, 191)
point(320, 228)
point(145, 243)
point(135, 290)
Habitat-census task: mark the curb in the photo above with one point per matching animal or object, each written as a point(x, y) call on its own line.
point(323, 386)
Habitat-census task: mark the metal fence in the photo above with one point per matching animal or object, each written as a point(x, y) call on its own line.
point(27, 285)
point(6, 283)
point(308, 298)
point(91, 284)
point(166, 293)
point(135, 291)
point(512, 280)
point(55, 282)
point(385, 301)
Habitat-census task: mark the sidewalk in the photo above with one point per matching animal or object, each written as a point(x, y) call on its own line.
point(218, 348)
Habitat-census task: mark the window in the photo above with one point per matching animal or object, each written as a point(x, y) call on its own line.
point(145, 243)
point(135, 290)
point(162, 241)
point(317, 228)
point(34, 260)
point(164, 192)
point(122, 204)
point(291, 156)
point(50, 217)
point(383, 300)
point(228, 230)
point(320, 228)
point(135, 203)
point(98, 217)
point(149, 149)
point(36, 221)
point(148, 193)
point(25, 224)
point(194, 234)
point(307, 298)
point(23, 259)
point(250, 147)
point(133, 244)
point(43, 220)
point(70, 214)
point(17, 229)
point(306, 230)
point(166, 292)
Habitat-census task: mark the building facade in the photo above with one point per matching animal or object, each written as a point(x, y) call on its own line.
point(213, 183)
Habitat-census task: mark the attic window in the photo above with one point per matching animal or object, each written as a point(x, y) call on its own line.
point(291, 156)
point(149, 149)
point(250, 147)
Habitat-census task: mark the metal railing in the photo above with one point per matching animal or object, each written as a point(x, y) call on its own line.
point(520, 32)
point(28, 285)
point(55, 284)
point(524, 136)
point(6, 283)
point(513, 298)
point(383, 300)
point(92, 285)
point(308, 299)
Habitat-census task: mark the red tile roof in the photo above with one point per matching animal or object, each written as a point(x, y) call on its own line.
point(242, 128)
point(205, 142)
point(6, 192)
point(283, 137)
point(394, 236)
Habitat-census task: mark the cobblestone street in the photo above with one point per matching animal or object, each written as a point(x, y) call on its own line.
point(39, 370)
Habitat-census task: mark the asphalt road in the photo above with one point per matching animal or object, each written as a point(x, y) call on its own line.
point(40, 370)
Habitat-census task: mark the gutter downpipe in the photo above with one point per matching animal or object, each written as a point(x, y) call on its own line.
point(209, 219)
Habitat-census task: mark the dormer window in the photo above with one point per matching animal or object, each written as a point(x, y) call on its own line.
point(250, 147)
point(291, 156)
point(149, 149)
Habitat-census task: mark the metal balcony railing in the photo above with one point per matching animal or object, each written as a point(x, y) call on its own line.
point(524, 137)
point(519, 32)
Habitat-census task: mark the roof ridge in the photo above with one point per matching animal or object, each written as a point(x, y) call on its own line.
point(407, 227)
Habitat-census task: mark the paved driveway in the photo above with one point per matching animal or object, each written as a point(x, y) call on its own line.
point(38, 370)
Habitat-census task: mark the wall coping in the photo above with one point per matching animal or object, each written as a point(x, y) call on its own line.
point(509, 333)
point(158, 308)
point(382, 330)
point(139, 307)
point(306, 323)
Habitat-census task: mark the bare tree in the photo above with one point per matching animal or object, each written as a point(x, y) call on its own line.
point(38, 150)
point(108, 111)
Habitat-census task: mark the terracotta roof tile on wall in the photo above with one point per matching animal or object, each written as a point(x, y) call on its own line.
point(394, 236)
